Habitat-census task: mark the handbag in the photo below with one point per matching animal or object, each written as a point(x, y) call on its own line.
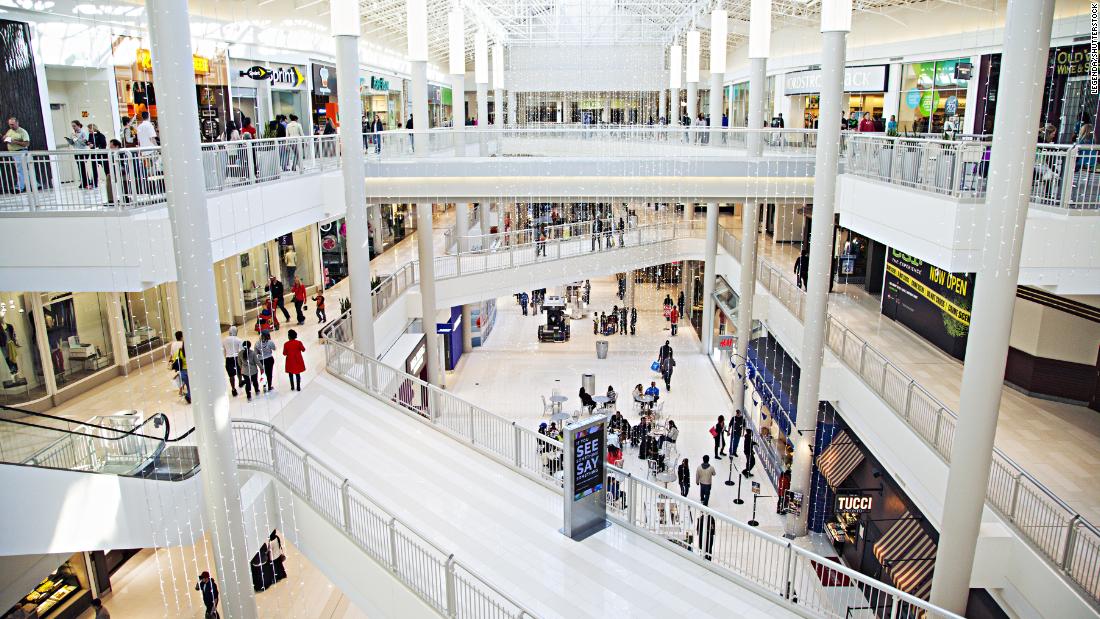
point(655, 366)
point(713, 432)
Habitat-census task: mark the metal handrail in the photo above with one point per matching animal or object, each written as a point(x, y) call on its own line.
point(538, 457)
point(341, 509)
point(1075, 554)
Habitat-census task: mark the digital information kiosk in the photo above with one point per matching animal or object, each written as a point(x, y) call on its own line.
point(585, 477)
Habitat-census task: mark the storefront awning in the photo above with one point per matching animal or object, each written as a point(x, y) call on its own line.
point(839, 459)
point(908, 554)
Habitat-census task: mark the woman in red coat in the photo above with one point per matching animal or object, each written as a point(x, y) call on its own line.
point(295, 364)
point(299, 290)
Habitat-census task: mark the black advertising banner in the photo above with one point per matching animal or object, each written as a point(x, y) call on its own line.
point(589, 459)
point(324, 79)
point(928, 300)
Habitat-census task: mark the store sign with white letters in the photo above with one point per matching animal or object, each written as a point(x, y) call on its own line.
point(856, 79)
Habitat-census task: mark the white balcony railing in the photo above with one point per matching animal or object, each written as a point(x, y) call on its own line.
point(1064, 176)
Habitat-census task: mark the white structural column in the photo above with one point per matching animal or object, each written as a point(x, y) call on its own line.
point(710, 256)
point(170, 36)
point(662, 104)
point(719, 27)
point(1026, 41)
point(759, 49)
point(427, 290)
point(456, 27)
point(481, 77)
point(462, 231)
point(498, 85)
point(689, 211)
point(693, 74)
point(416, 13)
point(675, 82)
point(353, 174)
point(836, 21)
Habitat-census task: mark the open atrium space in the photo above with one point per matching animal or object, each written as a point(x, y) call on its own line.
point(549, 309)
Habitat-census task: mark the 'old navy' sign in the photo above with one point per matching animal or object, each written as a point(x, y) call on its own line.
point(856, 79)
point(287, 77)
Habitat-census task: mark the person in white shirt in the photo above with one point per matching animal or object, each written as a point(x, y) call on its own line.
point(231, 346)
point(146, 132)
point(291, 260)
point(291, 155)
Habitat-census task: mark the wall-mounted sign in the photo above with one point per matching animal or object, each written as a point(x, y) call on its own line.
point(377, 83)
point(144, 59)
point(286, 77)
point(853, 503)
point(201, 65)
point(963, 70)
point(324, 79)
point(934, 303)
point(1071, 61)
point(726, 342)
point(856, 79)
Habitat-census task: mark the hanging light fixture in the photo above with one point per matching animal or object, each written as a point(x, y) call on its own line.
point(719, 30)
point(481, 57)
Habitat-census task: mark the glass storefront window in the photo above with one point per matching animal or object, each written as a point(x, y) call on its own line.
point(78, 333)
point(931, 97)
point(296, 256)
point(21, 377)
point(147, 318)
point(255, 272)
point(334, 252)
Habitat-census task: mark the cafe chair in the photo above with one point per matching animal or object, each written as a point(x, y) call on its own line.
point(547, 407)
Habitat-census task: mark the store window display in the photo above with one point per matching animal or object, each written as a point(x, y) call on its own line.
point(78, 334)
point(147, 318)
point(933, 96)
point(64, 593)
point(255, 272)
point(21, 377)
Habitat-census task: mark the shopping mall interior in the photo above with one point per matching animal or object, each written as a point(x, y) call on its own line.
point(570, 308)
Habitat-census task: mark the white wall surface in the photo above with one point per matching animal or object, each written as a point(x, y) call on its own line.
point(586, 68)
point(1061, 251)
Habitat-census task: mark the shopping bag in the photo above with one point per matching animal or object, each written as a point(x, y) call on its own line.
point(177, 382)
point(655, 366)
point(262, 382)
point(713, 431)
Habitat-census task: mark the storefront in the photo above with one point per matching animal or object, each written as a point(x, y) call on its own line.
point(21, 377)
point(242, 280)
point(66, 592)
point(382, 98)
point(1068, 102)
point(149, 318)
point(334, 250)
point(323, 96)
point(930, 301)
point(263, 91)
point(136, 87)
point(451, 334)
point(438, 114)
point(865, 86)
point(483, 316)
point(933, 95)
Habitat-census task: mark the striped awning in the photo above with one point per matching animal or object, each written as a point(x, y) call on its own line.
point(908, 554)
point(839, 459)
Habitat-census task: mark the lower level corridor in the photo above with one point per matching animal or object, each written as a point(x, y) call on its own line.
point(504, 526)
point(1054, 441)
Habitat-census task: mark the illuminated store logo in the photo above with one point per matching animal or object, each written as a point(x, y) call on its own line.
point(853, 504)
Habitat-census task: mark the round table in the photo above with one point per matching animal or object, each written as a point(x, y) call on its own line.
point(557, 400)
point(602, 400)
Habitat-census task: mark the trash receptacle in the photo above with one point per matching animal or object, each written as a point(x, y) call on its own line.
point(601, 349)
point(588, 381)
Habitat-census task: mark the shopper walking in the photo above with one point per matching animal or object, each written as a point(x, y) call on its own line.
point(290, 259)
point(737, 428)
point(17, 141)
point(718, 433)
point(209, 590)
point(101, 611)
point(278, 555)
point(248, 364)
point(319, 306)
point(781, 490)
point(275, 288)
point(674, 320)
point(178, 361)
point(78, 139)
point(704, 476)
point(298, 289)
point(683, 475)
point(664, 351)
point(377, 128)
point(666, 366)
point(802, 268)
point(633, 320)
point(231, 346)
point(750, 453)
point(523, 302)
point(623, 320)
point(266, 350)
point(295, 363)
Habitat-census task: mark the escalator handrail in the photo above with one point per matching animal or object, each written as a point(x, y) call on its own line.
point(121, 433)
